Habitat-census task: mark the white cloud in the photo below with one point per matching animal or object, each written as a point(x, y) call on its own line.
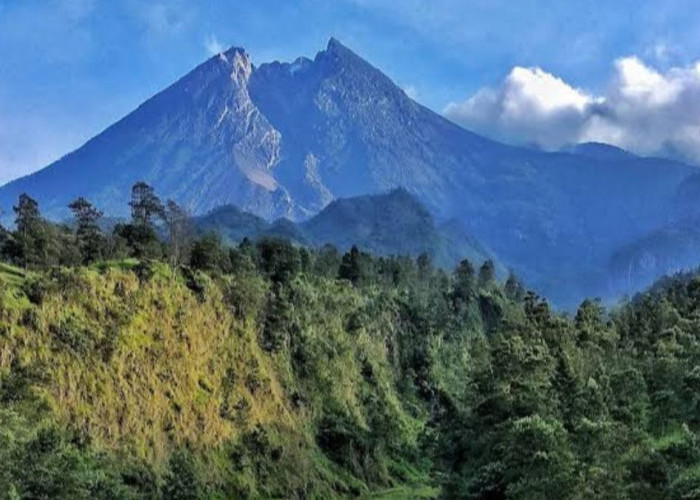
point(213, 46)
point(531, 106)
point(642, 109)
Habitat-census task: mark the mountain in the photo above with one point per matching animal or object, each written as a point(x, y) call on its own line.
point(664, 251)
point(394, 223)
point(285, 139)
point(668, 249)
point(599, 151)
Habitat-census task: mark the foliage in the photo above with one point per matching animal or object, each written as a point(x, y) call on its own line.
point(89, 238)
point(274, 371)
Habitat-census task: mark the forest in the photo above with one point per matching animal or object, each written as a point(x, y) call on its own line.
point(147, 360)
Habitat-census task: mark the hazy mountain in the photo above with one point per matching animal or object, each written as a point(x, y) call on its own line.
point(668, 249)
point(599, 151)
point(395, 223)
point(285, 139)
point(664, 251)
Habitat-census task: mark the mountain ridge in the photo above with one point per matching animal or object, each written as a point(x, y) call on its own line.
point(393, 223)
point(285, 139)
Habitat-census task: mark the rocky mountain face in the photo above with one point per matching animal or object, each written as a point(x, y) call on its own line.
point(285, 139)
point(202, 142)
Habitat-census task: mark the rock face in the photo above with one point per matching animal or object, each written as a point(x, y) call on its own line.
point(285, 139)
point(201, 141)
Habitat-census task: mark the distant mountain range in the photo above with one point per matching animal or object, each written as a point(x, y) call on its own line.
point(672, 247)
point(395, 223)
point(286, 139)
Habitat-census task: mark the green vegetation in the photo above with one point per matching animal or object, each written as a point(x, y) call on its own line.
point(394, 223)
point(149, 365)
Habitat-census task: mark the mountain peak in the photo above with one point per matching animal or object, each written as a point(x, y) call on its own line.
point(239, 61)
point(234, 49)
point(334, 44)
point(285, 139)
point(337, 50)
point(599, 151)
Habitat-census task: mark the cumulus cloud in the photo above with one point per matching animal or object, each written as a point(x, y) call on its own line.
point(642, 109)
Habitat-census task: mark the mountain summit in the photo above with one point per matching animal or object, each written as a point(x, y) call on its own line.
point(286, 139)
point(279, 140)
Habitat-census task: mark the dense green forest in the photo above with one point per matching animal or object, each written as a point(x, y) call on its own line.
point(150, 362)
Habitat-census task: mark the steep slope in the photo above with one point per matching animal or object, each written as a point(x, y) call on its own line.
point(283, 140)
point(138, 367)
point(395, 223)
point(201, 141)
point(668, 249)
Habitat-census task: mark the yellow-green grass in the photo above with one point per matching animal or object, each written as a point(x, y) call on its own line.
point(422, 492)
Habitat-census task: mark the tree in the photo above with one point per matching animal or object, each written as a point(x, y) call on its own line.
point(145, 205)
point(142, 241)
point(513, 289)
point(30, 239)
point(464, 283)
point(424, 264)
point(179, 226)
point(140, 236)
point(589, 322)
point(538, 460)
point(208, 254)
point(487, 274)
point(4, 238)
point(181, 480)
point(279, 259)
point(278, 319)
point(351, 266)
point(327, 261)
point(90, 240)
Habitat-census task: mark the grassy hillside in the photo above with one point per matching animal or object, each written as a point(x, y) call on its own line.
point(281, 372)
point(139, 362)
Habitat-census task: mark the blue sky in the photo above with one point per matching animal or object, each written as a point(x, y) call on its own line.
point(69, 68)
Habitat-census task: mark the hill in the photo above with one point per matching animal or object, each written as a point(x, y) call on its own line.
point(395, 223)
point(288, 373)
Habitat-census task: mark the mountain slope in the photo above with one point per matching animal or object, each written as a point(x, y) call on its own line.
point(201, 141)
point(395, 223)
point(283, 140)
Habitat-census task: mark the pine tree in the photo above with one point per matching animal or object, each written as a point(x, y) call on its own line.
point(351, 266)
point(140, 236)
point(487, 274)
point(30, 238)
point(180, 229)
point(513, 289)
point(145, 205)
point(464, 284)
point(90, 240)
